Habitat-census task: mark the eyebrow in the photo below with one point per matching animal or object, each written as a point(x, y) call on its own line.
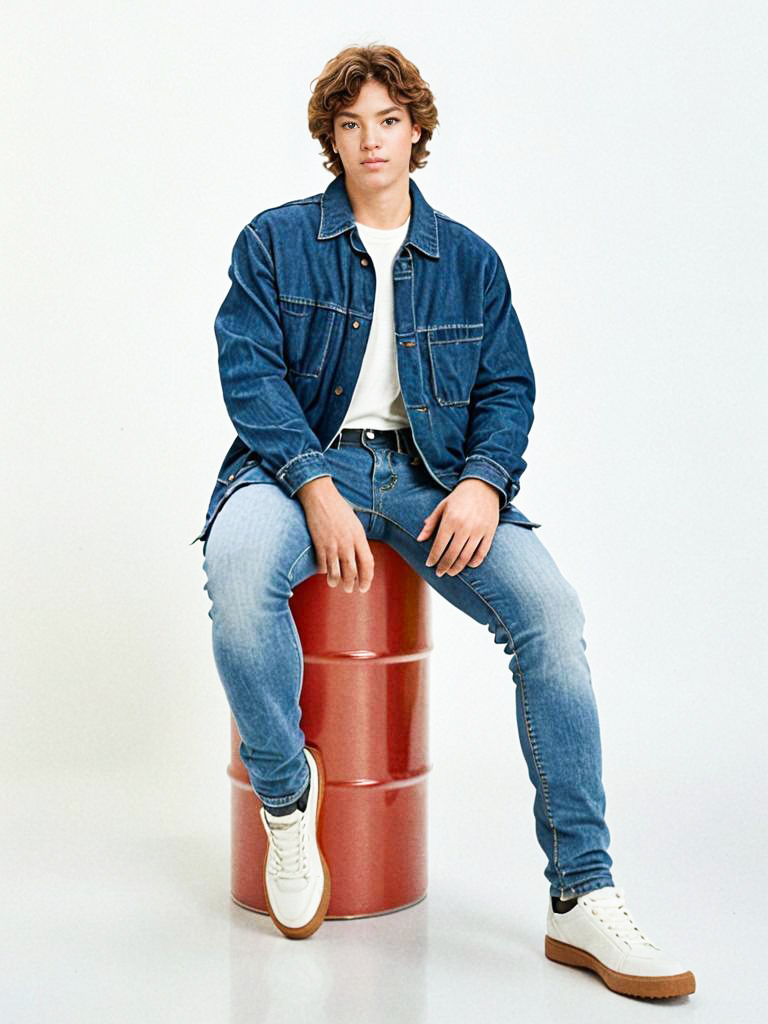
point(351, 113)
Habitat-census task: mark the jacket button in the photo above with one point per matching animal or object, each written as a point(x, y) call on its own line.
point(231, 476)
point(355, 323)
point(338, 390)
point(363, 262)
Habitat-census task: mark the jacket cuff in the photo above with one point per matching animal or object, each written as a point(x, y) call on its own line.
point(300, 470)
point(481, 468)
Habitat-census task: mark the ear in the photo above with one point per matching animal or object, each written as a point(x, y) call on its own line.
point(416, 133)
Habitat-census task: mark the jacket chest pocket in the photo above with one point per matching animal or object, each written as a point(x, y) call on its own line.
point(454, 356)
point(308, 330)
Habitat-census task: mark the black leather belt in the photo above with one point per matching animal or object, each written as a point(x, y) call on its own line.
point(400, 440)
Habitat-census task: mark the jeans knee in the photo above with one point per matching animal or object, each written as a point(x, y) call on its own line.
point(559, 608)
point(241, 577)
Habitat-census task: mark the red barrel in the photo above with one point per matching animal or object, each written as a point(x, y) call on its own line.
point(364, 706)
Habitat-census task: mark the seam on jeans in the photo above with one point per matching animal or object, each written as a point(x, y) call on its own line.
point(296, 561)
point(372, 451)
point(595, 883)
point(393, 479)
point(529, 730)
point(282, 801)
point(526, 709)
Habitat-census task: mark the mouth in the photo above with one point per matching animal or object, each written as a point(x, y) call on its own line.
point(373, 163)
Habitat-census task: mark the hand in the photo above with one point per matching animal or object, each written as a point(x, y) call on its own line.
point(341, 547)
point(468, 517)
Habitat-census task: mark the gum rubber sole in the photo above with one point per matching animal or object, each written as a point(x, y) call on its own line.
point(646, 987)
point(319, 916)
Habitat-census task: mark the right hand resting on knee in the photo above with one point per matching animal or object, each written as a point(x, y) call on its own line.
point(341, 547)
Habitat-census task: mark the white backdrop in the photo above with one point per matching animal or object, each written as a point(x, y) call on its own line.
point(614, 154)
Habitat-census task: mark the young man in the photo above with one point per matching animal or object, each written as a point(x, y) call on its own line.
point(378, 378)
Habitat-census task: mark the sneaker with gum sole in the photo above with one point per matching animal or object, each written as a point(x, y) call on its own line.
point(297, 882)
point(599, 933)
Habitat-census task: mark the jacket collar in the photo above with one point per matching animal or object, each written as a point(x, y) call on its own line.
point(336, 216)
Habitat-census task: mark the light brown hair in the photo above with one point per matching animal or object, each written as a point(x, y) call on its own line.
point(340, 82)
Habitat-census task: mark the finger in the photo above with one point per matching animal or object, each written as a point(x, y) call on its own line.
point(365, 564)
point(432, 518)
point(334, 573)
point(438, 547)
point(482, 550)
point(464, 555)
point(452, 555)
point(442, 540)
point(348, 569)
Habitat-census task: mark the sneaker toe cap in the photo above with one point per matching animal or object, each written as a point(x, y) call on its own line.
point(656, 964)
point(296, 909)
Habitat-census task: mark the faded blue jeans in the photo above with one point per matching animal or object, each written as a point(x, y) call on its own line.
point(259, 548)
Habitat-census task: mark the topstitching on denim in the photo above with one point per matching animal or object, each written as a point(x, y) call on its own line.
point(510, 648)
point(389, 484)
point(297, 560)
point(524, 695)
point(530, 732)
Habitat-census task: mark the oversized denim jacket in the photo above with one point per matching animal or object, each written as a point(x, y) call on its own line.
point(293, 327)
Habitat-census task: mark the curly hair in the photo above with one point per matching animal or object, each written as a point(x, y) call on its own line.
point(340, 82)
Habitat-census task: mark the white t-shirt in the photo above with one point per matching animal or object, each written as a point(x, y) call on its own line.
point(377, 400)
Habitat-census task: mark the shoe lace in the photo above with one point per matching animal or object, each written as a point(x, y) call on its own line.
point(609, 907)
point(288, 848)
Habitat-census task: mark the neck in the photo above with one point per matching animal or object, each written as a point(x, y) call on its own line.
point(385, 208)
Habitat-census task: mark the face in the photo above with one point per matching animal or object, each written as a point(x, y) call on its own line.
point(374, 128)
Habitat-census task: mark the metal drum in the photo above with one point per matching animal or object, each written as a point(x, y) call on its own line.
point(364, 704)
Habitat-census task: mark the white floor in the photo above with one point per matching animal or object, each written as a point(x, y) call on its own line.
point(116, 906)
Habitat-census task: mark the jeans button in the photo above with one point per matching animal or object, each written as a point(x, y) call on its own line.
point(369, 433)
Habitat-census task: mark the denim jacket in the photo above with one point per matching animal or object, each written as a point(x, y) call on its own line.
point(292, 332)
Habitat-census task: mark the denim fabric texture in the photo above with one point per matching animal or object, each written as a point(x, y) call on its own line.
point(293, 327)
point(260, 549)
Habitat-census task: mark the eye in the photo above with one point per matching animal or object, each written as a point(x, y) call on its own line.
point(345, 123)
point(395, 119)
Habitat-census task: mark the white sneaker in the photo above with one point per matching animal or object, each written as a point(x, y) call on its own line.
point(297, 882)
point(599, 932)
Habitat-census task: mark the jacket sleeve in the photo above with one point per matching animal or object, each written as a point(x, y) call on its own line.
point(261, 403)
point(501, 402)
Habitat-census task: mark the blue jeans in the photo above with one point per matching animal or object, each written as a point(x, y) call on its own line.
point(260, 548)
